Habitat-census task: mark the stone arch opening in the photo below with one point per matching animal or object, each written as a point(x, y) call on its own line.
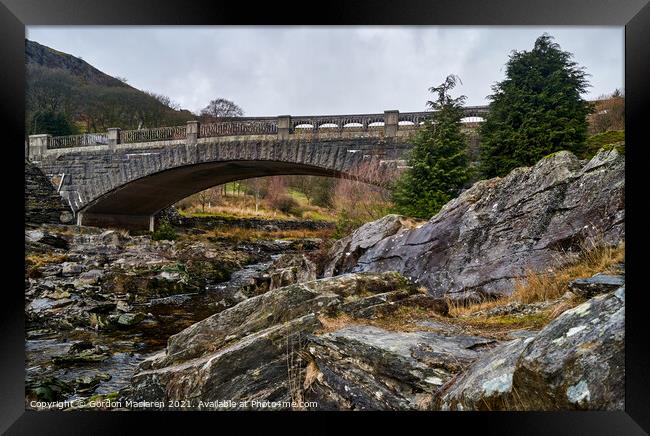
point(134, 204)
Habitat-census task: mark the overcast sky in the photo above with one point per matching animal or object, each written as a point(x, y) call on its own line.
point(324, 70)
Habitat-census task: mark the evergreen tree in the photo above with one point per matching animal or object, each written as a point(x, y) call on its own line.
point(54, 123)
point(536, 110)
point(438, 162)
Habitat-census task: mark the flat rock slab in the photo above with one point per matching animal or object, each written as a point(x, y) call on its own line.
point(598, 284)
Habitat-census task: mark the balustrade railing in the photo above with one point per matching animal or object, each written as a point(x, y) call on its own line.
point(78, 140)
point(155, 134)
point(239, 127)
point(389, 122)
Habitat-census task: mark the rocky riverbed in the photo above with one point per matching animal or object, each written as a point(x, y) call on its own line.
point(217, 320)
point(98, 301)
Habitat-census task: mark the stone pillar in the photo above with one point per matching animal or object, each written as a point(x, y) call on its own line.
point(391, 123)
point(38, 144)
point(192, 132)
point(113, 137)
point(284, 126)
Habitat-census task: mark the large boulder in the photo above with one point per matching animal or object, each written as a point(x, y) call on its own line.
point(578, 360)
point(487, 384)
point(345, 252)
point(369, 368)
point(250, 351)
point(494, 232)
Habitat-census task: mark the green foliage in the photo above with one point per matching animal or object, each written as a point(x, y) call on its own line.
point(287, 204)
point(438, 166)
point(536, 110)
point(346, 223)
point(322, 192)
point(54, 123)
point(608, 139)
point(164, 232)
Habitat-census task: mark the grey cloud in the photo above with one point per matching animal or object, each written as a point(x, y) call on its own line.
point(309, 70)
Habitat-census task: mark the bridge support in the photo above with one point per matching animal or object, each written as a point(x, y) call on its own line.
point(192, 132)
point(391, 123)
point(128, 222)
point(37, 146)
point(284, 127)
point(113, 137)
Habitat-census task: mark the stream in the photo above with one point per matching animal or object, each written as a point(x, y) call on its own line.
point(112, 355)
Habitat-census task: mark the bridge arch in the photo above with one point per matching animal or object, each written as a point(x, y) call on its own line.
point(125, 186)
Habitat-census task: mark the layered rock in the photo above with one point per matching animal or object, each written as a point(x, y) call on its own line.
point(576, 362)
point(481, 242)
point(346, 251)
point(369, 368)
point(251, 350)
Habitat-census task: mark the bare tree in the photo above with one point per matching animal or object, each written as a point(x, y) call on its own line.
point(608, 114)
point(222, 109)
point(166, 101)
point(364, 196)
point(205, 197)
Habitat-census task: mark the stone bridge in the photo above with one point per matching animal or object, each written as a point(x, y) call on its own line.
point(123, 178)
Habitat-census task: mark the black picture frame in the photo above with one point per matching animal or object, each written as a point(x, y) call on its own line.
point(633, 14)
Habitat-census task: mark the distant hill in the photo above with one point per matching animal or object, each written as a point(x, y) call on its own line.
point(37, 54)
point(67, 95)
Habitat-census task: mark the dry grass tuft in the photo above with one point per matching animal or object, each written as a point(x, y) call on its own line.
point(38, 260)
point(537, 287)
point(334, 323)
point(312, 374)
point(242, 234)
point(543, 287)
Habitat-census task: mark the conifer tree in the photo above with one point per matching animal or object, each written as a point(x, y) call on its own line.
point(536, 110)
point(438, 166)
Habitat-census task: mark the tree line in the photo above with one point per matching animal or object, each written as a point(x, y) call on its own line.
point(535, 111)
point(61, 103)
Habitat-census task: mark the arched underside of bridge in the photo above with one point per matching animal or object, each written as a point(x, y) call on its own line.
point(134, 204)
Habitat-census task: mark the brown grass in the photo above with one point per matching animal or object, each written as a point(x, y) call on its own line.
point(243, 234)
point(38, 260)
point(533, 288)
point(543, 287)
point(537, 287)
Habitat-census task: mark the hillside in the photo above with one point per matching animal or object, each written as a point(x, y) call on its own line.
point(67, 95)
point(37, 54)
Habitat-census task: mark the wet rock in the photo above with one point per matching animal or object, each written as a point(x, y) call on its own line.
point(130, 319)
point(39, 305)
point(578, 360)
point(40, 236)
point(86, 384)
point(368, 368)
point(598, 284)
point(290, 269)
point(48, 388)
point(346, 251)
point(71, 268)
point(482, 241)
point(82, 352)
point(487, 384)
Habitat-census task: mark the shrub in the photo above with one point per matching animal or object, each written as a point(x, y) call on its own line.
point(286, 204)
point(164, 232)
